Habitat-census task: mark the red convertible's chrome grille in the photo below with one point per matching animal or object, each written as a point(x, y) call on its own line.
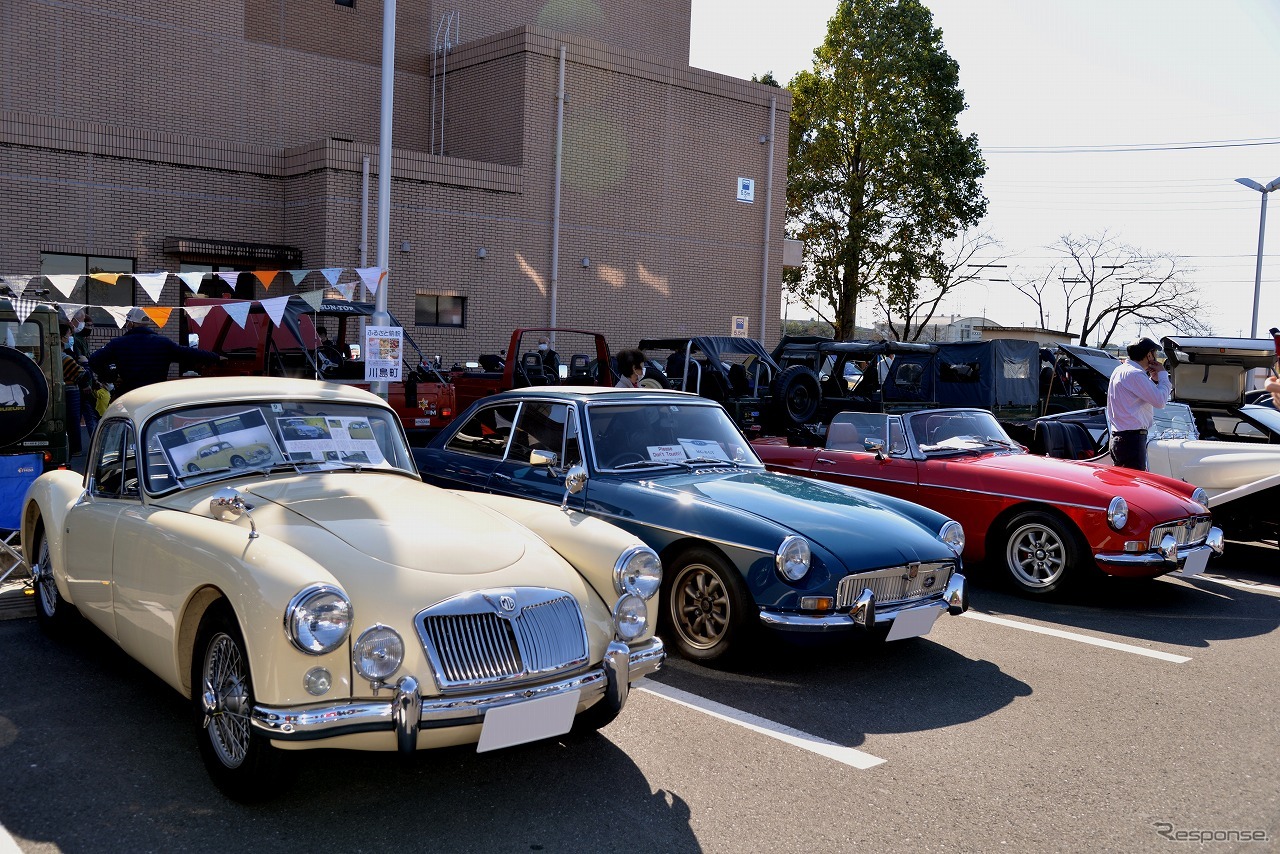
point(1185, 531)
point(506, 635)
point(897, 583)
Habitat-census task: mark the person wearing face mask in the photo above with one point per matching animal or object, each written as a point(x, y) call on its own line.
point(81, 329)
point(630, 369)
point(1136, 388)
point(550, 360)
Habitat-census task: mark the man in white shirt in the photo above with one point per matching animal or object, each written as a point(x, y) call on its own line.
point(1137, 387)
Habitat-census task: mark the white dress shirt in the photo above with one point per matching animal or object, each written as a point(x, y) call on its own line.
point(1131, 397)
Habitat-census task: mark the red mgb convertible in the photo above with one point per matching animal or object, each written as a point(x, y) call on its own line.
point(1050, 523)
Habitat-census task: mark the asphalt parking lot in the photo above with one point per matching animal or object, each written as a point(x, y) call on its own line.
point(1144, 719)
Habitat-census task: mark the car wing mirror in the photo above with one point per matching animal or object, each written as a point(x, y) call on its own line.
point(574, 482)
point(876, 446)
point(228, 505)
point(543, 458)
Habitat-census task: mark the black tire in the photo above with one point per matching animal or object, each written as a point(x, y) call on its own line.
point(654, 377)
point(706, 609)
point(26, 396)
point(54, 615)
point(239, 759)
point(796, 394)
point(1043, 554)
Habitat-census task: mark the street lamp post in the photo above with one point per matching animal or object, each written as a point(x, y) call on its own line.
point(1262, 231)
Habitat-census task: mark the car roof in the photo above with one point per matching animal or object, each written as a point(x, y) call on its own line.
point(598, 393)
point(144, 402)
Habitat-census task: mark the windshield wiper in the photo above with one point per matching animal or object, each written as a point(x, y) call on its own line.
point(636, 464)
point(715, 461)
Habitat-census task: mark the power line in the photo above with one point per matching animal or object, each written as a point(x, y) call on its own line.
point(1121, 148)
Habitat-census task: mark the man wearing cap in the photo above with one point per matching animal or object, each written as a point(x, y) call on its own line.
point(141, 355)
point(1137, 387)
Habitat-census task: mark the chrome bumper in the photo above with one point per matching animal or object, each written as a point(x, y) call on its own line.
point(865, 613)
point(407, 711)
point(1170, 555)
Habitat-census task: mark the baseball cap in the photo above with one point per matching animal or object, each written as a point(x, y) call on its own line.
point(137, 315)
point(1140, 348)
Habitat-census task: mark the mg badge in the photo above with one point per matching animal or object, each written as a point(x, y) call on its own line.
point(507, 604)
point(929, 582)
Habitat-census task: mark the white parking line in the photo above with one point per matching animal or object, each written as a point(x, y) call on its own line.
point(1059, 633)
point(1230, 582)
point(803, 740)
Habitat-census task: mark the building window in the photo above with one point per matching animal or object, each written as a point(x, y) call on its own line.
point(92, 291)
point(350, 4)
point(439, 310)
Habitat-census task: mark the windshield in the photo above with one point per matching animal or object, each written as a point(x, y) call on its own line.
point(1264, 415)
point(657, 434)
point(201, 444)
point(1173, 421)
point(967, 430)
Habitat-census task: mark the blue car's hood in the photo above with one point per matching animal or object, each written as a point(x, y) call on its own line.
point(851, 524)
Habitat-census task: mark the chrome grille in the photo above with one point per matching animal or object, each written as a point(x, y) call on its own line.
point(472, 640)
point(895, 584)
point(1186, 531)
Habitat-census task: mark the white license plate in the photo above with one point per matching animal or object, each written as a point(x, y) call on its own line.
point(913, 623)
point(1195, 562)
point(527, 721)
point(422, 422)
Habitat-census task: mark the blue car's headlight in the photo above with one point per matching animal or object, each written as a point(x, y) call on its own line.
point(318, 619)
point(793, 558)
point(952, 533)
point(638, 571)
point(1117, 513)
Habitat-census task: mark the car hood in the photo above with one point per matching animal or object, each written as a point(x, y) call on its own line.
point(1217, 466)
point(388, 519)
point(850, 523)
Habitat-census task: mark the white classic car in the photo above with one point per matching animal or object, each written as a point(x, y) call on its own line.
point(312, 601)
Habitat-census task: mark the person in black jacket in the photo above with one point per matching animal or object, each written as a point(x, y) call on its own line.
point(142, 355)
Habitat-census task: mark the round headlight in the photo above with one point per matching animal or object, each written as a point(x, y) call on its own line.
point(377, 653)
point(1117, 513)
point(1200, 496)
point(952, 533)
point(638, 571)
point(630, 617)
point(318, 619)
point(792, 558)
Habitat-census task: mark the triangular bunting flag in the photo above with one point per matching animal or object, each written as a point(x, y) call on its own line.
point(315, 299)
point(275, 308)
point(372, 277)
point(197, 313)
point(348, 290)
point(230, 276)
point(152, 283)
point(17, 284)
point(298, 276)
point(237, 311)
point(109, 278)
point(192, 281)
point(266, 277)
point(23, 308)
point(64, 282)
point(71, 309)
point(159, 316)
point(119, 312)
point(332, 274)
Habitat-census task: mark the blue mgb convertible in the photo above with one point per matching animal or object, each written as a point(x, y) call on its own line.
point(740, 546)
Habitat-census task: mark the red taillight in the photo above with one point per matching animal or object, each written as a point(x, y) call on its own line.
point(446, 412)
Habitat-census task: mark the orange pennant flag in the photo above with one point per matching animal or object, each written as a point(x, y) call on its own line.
point(159, 316)
point(266, 277)
point(109, 278)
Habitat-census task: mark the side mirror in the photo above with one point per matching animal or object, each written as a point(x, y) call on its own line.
point(543, 458)
point(574, 482)
point(228, 505)
point(876, 446)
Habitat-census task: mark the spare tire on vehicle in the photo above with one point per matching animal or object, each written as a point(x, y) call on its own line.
point(24, 396)
point(795, 395)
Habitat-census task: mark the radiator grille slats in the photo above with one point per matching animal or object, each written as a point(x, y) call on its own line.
point(895, 584)
point(1190, 531)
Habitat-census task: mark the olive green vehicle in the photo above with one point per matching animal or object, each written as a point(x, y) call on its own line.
point(32, 394)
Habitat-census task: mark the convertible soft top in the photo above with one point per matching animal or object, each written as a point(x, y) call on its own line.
point(712, 345)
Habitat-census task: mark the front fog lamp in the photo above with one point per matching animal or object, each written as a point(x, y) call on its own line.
point(630, 617)
point(639, 572)
point(952, 533)
point(792, 558)
point(1200, 496)
point(377, 653)
point(318, 681)
point(318, 619)
point(1117, 513)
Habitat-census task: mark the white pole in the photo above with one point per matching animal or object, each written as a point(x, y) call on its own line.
point(381, 317)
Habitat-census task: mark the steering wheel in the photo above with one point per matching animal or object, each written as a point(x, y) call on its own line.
point(624, 458)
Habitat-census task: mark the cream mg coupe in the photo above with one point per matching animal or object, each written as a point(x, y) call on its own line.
point(311, 601)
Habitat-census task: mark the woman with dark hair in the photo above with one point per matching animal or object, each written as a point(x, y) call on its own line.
point(630, 369)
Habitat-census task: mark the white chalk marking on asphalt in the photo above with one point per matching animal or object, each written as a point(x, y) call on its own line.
point(1059, 633)
point(795, 737)
point(1230, 582)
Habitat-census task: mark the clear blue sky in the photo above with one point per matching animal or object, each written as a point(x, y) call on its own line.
point(1040, 75)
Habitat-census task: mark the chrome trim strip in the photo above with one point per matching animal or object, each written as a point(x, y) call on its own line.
point(954, 600)
point(1154, 558)
point(310, 723)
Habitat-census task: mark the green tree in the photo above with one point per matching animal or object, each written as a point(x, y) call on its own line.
point(880, 176)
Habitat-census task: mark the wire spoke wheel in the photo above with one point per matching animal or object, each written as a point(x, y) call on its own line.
point(227, 700)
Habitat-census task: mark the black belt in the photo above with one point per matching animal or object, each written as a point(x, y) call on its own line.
point(1131, 432)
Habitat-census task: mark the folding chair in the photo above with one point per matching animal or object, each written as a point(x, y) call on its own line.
point(16, 474)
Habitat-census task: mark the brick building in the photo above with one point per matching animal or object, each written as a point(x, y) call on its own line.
point(183, 135)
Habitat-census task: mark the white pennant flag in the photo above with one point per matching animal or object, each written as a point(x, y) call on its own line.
point(371, 276)
point(237, 311)
point(17, 284)
point(197, 313)
point(152, 283)
point(23, 307)
point(348, 290)
point(274, 308)
point(230, 277)
point(64, 282)
point(298, 276)
point(71, 309)
point(332, 274)
point(315, 299)
point(119, 312)
point(192, 281)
